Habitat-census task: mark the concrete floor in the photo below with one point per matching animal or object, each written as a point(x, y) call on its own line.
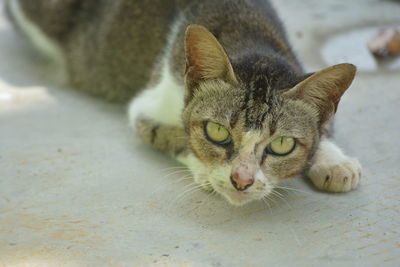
point(77, 189)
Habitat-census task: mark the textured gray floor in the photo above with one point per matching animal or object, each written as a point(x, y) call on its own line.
point(77, 189)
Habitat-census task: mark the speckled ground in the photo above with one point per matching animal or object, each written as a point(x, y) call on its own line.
point(77, 189)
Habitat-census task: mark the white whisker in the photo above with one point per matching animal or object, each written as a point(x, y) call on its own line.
point(174, 168)
point(194, 188)
point(280, 196)
point(187, 177)
point(292, 189)
point(265, 200)
point(176, 172)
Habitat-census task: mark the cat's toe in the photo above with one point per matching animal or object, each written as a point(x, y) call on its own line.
point(339, 177)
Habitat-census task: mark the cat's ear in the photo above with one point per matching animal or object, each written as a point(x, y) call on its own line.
point(324, 88)
point(205, 57)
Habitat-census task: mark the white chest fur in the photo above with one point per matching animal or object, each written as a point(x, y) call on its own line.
point(162, 103)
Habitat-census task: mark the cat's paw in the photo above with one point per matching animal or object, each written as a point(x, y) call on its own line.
point(144, 128)
point(340, 176)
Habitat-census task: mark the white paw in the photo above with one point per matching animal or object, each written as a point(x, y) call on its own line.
point(341, 176)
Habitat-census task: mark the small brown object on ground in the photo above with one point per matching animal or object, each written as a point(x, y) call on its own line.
point(386, 43)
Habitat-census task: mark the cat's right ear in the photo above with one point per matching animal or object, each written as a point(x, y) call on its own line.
point(206, 59)
point(324, 89)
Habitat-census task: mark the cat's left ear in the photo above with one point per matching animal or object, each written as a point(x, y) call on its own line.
point(324, 89)
point(205, 57)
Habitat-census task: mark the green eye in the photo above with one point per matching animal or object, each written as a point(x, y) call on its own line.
point(281, 146)
point(217, 133)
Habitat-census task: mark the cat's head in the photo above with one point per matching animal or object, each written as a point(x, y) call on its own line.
point(254, 125)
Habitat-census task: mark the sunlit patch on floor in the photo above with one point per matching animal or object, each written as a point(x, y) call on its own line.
point(15, 98)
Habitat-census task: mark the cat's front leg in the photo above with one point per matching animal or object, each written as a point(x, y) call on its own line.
point(170, 139)
point(331, 170)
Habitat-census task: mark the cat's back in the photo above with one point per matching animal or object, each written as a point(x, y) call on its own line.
point(120, 44)
point(109, 46)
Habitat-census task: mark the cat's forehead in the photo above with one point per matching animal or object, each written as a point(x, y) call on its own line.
point(259, 107)
point(246, 106)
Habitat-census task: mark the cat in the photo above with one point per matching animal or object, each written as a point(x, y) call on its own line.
point(214, 84)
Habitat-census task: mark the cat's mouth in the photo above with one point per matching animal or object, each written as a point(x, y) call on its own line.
point(240, 198)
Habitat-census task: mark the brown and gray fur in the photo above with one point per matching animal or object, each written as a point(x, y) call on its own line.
point(237, 69)
point(111, 47)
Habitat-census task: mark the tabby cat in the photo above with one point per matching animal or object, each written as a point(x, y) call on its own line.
point(223, 92)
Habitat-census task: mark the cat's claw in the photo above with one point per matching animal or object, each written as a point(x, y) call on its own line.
point(338, 177)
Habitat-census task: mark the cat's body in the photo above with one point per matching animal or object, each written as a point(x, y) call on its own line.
point(235, 72)
point(112, 47)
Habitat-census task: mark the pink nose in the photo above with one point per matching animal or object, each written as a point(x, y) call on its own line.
point(241, 182)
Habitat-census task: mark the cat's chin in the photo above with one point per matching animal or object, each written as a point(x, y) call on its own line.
point(240, 198)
